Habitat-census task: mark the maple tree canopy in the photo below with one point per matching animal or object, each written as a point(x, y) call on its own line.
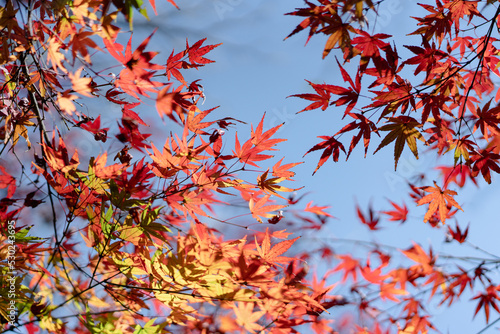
point(137, 231)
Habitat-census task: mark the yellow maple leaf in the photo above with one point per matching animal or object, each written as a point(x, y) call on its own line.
point(65, 102)
point(246, 317)
point(54, 56)
point(80, 85)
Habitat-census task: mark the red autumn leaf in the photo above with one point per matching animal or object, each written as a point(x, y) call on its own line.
point(95, 128)
point(111, 95)
point(320, 100)
point(462, 9)
point(434, 25)
point(417, 324)
point(373, 276)
point(426, 57)
point(489, 298)
point(281, 234)
point(313, 19)
point(398, 214)
point(487, 120)
point(483, 161)
point(139, 62)
point(330, 147)
point(348, 96)
point(196, 52)
point(135, 85)
point(130, 115)
point(457, 234)
point(371, 221)
point(369, 45)
point(7, 181)
point(398, 95)
point(456, 174)
point(366, 127)
point(57, 156)
point(251, 150)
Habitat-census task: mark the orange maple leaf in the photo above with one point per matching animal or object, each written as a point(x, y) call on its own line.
point(280, 234)
point(259, 209)
point(417, 325)
point(103, 172)
point(387, 291)
point(57, 157)
point(438, 199)
point(317, 209)
point(251, 149)
point(417, 254)
point(283, 170)
point(80, 42)
point(349, 266)
point(373, 275)
point(272, 254)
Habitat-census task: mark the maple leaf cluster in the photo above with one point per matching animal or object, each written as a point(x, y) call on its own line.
point(140, 237)
point(442, 97)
